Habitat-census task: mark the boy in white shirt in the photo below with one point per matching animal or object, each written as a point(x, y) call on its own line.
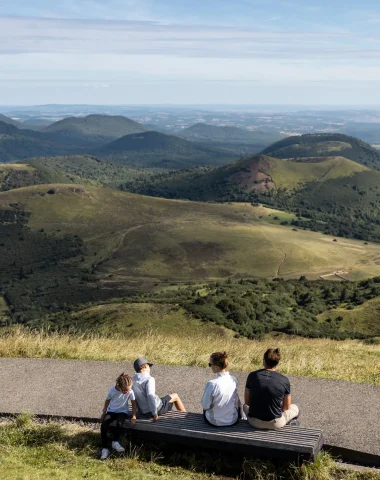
point(144, 388)
point(116, 408)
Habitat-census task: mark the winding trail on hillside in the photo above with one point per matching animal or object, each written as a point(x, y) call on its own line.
point(346, 412)
point(281, 264)
point(331, 169)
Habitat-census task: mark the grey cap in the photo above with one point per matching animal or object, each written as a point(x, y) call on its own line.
point(137, 364)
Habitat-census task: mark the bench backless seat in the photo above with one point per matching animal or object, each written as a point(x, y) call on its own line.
point(292, 443)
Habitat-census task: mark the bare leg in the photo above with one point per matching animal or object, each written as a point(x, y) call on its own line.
point(177, 402)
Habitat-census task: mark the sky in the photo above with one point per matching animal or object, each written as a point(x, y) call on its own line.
point(248, 52)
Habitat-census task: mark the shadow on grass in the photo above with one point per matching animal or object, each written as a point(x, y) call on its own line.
point(84, 443)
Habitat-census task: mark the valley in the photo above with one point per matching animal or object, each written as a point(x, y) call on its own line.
point(149, 217)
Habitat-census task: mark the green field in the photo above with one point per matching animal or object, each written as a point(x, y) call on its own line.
point(131, 236)
point(138, 318)
point(290, 174)
point(363, 319)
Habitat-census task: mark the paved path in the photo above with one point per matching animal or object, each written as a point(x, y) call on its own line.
point(348, 413)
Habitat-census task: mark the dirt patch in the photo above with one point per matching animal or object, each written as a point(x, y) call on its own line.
point(253, 177)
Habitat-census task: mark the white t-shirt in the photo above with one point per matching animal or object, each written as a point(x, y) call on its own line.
point(119, 401)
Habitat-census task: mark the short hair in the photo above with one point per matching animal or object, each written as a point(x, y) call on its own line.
point(220, 359)
point(142, 366)
point(124, 381)
point(272, 357)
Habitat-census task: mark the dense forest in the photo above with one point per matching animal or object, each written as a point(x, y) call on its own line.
point(254, 307)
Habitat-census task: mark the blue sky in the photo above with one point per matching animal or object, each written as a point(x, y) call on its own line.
point(195, 52)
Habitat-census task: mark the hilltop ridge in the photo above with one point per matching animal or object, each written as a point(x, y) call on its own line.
point(325, 145)
point(155, 149)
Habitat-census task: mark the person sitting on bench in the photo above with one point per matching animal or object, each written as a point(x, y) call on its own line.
point(116, 408)
point(144, 388)
point(220, 399)
point(267, 395)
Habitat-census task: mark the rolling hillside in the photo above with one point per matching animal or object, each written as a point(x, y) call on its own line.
point(325, 145)
point(68, 245)
point(93, 130)
point(140, 237)
point(244, 142)
point(157, 150)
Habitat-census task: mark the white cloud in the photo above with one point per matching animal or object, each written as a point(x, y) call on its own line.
point(21, 35)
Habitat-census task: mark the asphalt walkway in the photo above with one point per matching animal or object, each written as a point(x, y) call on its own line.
point(348, 413)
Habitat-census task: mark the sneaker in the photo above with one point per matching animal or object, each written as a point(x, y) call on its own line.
point(116, 446)
point(105, 454)
point(294, 423)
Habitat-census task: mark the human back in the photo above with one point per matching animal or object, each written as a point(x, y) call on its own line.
point(220, 399)
point(267, 395)
point(268, 389)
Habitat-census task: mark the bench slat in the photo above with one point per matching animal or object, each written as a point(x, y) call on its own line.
point(179, 426)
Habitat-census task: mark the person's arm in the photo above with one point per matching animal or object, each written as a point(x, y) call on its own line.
point(134, 411)
point(151, 395)
point(207, 396)
point(287, 398)
point(106, 405)
point(247, 391)
point(286, 403)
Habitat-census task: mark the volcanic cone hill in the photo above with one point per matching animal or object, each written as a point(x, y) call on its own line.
point(325, 145)
point(93, 130)
point(259, 174)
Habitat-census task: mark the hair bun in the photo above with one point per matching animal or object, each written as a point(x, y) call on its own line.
point(277, 350)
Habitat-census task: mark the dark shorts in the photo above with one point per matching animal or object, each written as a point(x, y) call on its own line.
point(165, 408)
point(166, 405)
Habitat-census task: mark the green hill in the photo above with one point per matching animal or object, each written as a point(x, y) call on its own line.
point(236, 139)
point(69, 244)
point(93, 130)
point(157, 150)
point(260, 173)
point(359, 319)
point(10, 121)
point(325, 145)
point(16, 144)
point(84, 169)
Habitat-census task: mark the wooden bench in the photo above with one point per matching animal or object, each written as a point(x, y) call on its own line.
point(290, 443)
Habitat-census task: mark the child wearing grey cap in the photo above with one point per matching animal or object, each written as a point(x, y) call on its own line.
point(144, 388)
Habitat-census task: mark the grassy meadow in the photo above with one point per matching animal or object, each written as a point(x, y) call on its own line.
point(350, 360)
point(290, 174)
point(64, 451)
point(128, 235)
point(364, 317)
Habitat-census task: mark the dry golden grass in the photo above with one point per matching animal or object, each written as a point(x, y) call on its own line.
point(349, 360)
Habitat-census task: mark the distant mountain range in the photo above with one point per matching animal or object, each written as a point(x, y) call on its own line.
point(113, 137)
point(154, 149)
point(244, 141)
